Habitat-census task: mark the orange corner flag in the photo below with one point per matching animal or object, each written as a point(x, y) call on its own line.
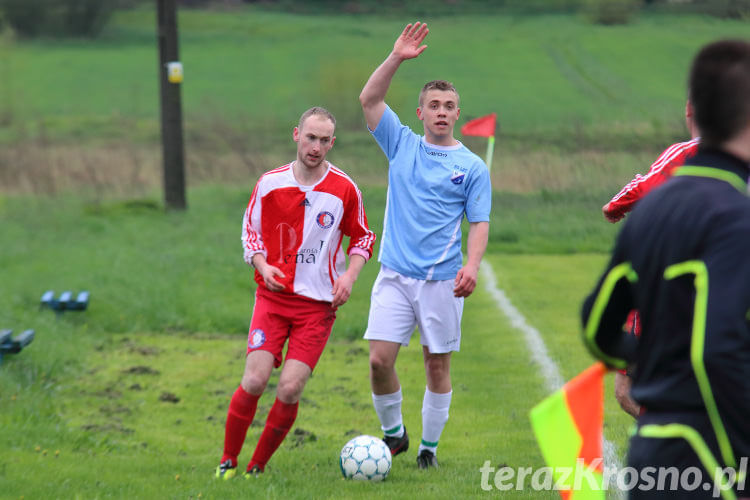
point(481, 127)
point(568, 427)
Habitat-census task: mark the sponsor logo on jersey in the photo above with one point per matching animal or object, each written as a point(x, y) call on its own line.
point(305, 203)
point(325, 219)
point(304, 255)
point(437, 153)
point(257, 338)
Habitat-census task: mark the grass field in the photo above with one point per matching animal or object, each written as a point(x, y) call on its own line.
point(267, 66)
point(567, 94)
point(128, 399)
point(136, 388)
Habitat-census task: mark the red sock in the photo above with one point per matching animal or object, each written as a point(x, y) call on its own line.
point(239, 417)
point(280, 420)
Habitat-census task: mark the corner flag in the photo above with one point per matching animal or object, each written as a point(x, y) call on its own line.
point(483, 127)
point(568, 427)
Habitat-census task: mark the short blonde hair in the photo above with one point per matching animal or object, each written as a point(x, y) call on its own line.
point(438, 85)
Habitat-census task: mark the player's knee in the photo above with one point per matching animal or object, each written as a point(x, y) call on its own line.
point(437, 368)
point(254, 383)
point(289, 391)
point(379, 364)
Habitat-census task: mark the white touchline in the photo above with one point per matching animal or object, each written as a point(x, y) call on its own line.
point(551, 373)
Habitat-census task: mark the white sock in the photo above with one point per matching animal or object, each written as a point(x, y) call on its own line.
point(434, 416)
point(388, 409)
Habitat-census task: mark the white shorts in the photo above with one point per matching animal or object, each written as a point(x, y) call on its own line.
point(399, 304)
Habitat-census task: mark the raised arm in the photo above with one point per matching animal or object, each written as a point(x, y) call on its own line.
point(407, 46)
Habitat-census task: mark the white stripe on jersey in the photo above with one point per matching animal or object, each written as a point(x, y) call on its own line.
point(665, 159)
point(445, 251)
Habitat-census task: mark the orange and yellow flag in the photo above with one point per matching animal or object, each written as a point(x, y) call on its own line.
point(568, 427)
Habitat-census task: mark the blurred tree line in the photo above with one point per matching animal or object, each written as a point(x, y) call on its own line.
point(87, 18)
point(56, 18)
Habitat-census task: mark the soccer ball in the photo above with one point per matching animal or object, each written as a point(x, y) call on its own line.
point(365, 458)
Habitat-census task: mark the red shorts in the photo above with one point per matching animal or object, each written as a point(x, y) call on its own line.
point(280, 316)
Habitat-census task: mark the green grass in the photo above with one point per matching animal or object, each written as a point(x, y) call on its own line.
point(253, 65)
point(549, 291)
point(136, 388)
point(581, 108)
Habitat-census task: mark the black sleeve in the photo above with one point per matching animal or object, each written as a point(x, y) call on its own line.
point(605, 310)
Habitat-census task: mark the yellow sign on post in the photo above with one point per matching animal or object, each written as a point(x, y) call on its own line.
point(174, 72)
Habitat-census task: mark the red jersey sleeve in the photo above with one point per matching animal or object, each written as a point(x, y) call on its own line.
point(674, 156)
point(361, 239)
point(252, 241)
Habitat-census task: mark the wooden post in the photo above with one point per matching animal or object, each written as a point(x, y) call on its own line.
point(171, 108)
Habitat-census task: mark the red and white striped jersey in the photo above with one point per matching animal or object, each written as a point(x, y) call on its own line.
point(300, 229)
point(674, 156)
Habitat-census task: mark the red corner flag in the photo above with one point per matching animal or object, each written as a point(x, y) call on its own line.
point(481, 127)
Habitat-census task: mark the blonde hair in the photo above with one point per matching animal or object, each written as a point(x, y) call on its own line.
point(437, 85)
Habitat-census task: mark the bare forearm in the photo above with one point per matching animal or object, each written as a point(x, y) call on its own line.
point(356, 263)
point(258, 261)
point(377, 86)
point(476, 243)
point(373, 94)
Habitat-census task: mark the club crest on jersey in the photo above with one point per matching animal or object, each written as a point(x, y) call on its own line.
point(257, 338)
point(325, 219)
point(458, 177)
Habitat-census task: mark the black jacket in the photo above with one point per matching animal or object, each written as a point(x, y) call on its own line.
point(683, 260)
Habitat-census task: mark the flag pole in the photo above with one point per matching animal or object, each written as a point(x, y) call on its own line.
point(490, 151)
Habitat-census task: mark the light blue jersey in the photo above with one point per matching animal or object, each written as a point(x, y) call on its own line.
point(429, 190)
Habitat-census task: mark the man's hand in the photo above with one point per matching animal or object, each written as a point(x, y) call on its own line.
point(342, 287)
point(407, 45)
point(268, 273)
point(342, 290)
point(466, 281)
point(611, 216)
point(622, 395)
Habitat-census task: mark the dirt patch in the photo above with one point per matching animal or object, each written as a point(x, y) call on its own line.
point(309, 402)
point(141, 370)
point(115, 410)
point(107, 428)
point(356, 351)
point(144, 350)
point(168, 397)
point(108, 393)
point(301, 436)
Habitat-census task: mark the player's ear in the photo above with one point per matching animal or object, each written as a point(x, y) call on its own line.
point(333, 139)
point(419, 113)
point(295, 134)
point(458, 112)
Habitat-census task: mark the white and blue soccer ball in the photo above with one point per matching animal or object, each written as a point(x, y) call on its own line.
point(365, 458)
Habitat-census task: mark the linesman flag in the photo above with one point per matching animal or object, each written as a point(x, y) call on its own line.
point(568, 427)
point(483, 127)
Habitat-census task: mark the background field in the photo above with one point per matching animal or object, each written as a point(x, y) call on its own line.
point(128, 399)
